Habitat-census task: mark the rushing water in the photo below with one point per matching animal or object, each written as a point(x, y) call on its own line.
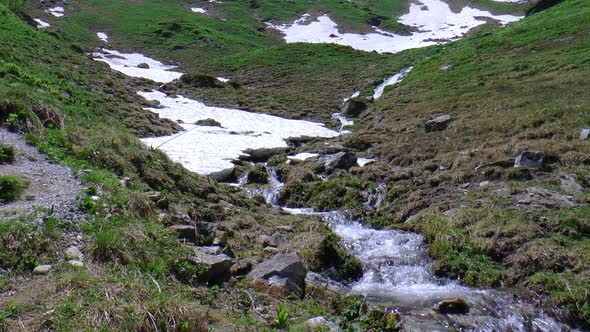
point(398, 273)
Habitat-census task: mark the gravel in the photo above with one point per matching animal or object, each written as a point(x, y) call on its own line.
point(52, 186)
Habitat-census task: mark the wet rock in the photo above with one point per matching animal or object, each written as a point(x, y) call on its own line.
point(321, 324)
point(73, 253)
point(280, 266)
point(530, 159)
point(143, 65)
point(261, 155)
point(208, 123)
point(439, 123)
point(42, 269)
point(226, 175)
point(570, 184)
point(452, 306)
point(215, 267)
point(186, 232)
point(340, 160)
point(353, 107)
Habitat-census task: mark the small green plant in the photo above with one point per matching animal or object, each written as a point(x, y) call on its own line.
point(6, 154)
point(282, 320)
point(215, 291)
point(12, 121)
point(11, 187)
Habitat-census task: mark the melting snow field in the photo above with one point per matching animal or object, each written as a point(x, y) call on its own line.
point(127, 64)
point(210, 149)
point(206, 149)
point(433, 18)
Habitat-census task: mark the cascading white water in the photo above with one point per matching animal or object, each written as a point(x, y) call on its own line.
point(398, 273)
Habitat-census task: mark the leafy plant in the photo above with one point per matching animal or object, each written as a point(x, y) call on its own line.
point(6, 154)
point(282, 320)
point(11, 187)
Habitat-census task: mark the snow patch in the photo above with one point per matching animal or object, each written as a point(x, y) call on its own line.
point(210, 149)
point(42, 24)
point(433, 18)
point(364, 161)
point(199, 10)
point(303, 156)
point(56, 11)
point(395, 79)
point(126, 63)
point(103, 36)
point(223, 79)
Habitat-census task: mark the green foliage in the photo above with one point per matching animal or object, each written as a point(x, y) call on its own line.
point(11, 187)
point(282, 320)
point(332, 254)
point(6, 154)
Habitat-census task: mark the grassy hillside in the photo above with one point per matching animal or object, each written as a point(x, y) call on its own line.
point(137, 273)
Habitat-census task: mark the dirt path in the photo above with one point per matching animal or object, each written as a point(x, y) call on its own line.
point(52, 186)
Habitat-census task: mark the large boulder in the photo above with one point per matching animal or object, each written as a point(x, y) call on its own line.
point(439, 123)
point(283, 273)
point(185, 232)
point(215, 267)
point(569, 183)
point(319, 286)
point(340, 160)
point(261, 155)
point(530, 159)
point(452, 306)
point(226, 175)
point(353, 107)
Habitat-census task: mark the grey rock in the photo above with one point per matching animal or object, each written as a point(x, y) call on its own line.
point(284, 286)
point(186, 232)
point(243, 266)
point(544, 198)
point(42, 269)
point(216, 268)
point(353, 107)
point(570, 184)
point(143, 65)
point(208, 123)
point(439, 123)
point(226, 175)
point(584, 133)
point(75, 263)
point(281, 265)
point(315, 281)
point(530, 159)
point(73, 253)
point(452, 306)
point(322, 324)
point(262, 155)
point(340, 160)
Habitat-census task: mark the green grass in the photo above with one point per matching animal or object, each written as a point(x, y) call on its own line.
point(7, 154)
point(11, 187)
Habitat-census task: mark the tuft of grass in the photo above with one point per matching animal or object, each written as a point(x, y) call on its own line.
point(7, 154)
point(11, 187)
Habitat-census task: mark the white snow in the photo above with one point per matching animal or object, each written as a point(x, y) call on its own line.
point(395, 79)
point(303, 156)
point(42, 24)
point(56, 11)
point(223, 79)
point(210, 149)
point(363, 161)
point(354, 95)
point(102, 36)
point(126, 63)
point(433, 18)
point(199, 10)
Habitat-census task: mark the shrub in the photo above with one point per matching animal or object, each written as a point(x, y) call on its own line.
point(6, 154)
point(11, 187)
